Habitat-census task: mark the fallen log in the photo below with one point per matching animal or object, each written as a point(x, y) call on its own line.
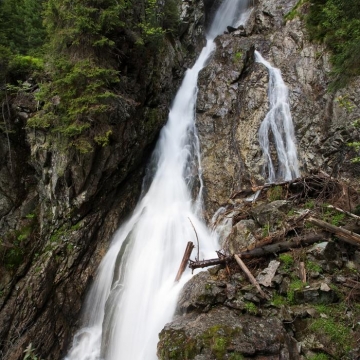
point(189, 248)
point(250, 276)
point(343, 234)
point(296, 242)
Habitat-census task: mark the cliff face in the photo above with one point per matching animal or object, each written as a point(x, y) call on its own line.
point(233, 101)
point(60, 208)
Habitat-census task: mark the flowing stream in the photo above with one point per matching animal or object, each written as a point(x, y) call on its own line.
point(279, 121)
point(134, 294)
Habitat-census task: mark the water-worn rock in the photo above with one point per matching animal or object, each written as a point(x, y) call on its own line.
point(222, 334)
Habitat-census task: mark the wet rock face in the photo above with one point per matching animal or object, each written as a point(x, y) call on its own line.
point(233, 101)
point(222, 334)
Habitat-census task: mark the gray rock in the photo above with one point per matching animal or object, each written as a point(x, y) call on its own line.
point(222, 334)
point(271, 213)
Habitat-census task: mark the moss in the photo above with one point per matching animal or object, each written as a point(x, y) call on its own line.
point(337, 333)
point(286, 260)
point(294, 11)
point(320, 356)
point(294, 285)
point(251, 308)
point(175, 345)
point(218, 338)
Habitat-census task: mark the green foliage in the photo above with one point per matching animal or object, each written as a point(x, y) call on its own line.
point(336, 331)
point(294, 285)
point(275, 193)
point(30, 353)
point(320, 356)
point(310, 204)
point(312, 266)
point(251, 308)
point(278, 300)
point(287, 260)
point(237, 56)
point(295, 11)
point(266, 230)
point(337, 24)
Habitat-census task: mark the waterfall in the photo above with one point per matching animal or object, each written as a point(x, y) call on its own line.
point(279, 120)
point(134, 293)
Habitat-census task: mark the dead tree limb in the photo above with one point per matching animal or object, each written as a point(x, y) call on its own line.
point(189, 248)
point(344, 212)
point(197, 240)
point(296, 242)
point(250, 276)
point(343, 234)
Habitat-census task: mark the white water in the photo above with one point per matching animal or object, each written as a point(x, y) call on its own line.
point(134, 294)
point(279, 121)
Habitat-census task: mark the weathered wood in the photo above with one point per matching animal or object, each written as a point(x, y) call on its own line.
point(294, 243)
point(344, 212)
point(189, 248)
point(343, 234)
point(250, 276)
point(302, 272)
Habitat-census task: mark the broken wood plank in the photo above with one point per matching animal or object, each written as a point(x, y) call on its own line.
point(250, 276)
point(189, 248)
point(343, 234)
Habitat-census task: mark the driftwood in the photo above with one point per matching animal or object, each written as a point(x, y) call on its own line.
point(250, 276)
point(189, 248)
point(343, 234)
point(295, 242)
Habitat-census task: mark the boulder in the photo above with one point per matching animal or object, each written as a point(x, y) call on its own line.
point(223, 334)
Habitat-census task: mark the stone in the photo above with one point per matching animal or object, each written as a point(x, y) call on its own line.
point(241, 236)
point(221, 333)
point(202, 291)
point(315, 294)
point(271, 213)
point(266, 276)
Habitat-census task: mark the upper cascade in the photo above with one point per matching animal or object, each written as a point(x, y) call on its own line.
point(279, 120)
point(230, 13)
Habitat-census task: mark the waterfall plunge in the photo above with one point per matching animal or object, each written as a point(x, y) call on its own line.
point(279, 120)
point(134, 294)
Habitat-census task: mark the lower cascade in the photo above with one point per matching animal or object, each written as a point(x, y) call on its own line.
point(134, 293)
point(279, 121)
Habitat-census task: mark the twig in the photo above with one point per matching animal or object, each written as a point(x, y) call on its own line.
point(344, 212)
point(197, 240)
point(250, 276)
point(7, 133)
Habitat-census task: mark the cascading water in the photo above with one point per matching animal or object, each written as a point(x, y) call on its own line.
point(279, 120)
point(134, 294)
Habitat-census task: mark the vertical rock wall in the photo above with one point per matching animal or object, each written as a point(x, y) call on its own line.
point(233, 101)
